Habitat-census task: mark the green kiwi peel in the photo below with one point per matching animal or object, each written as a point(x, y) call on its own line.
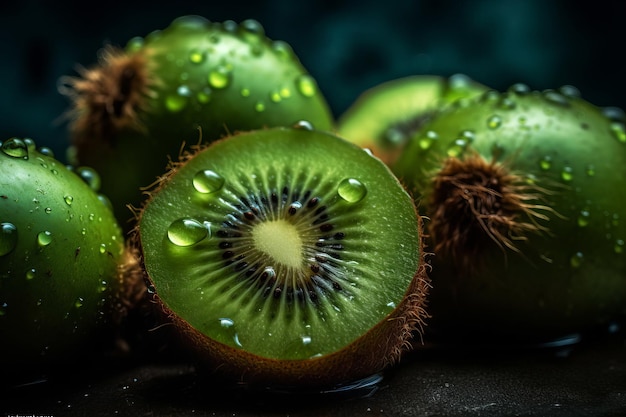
point(286, 255)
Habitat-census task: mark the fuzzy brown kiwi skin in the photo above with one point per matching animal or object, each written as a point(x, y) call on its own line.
point(380, 348)
point(369, 354)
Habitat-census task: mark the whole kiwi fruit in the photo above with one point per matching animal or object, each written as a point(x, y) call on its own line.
point(193, 79)
point(523, 192)
point(285, 256)
point(60, 254)
point(384, 117)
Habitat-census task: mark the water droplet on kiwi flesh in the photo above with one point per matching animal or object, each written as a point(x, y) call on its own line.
point(287, 251)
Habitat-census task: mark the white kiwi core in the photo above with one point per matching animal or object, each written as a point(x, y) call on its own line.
point(279, 240)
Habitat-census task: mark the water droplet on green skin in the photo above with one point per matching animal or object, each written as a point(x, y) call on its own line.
point(619, 246)
point(567, 174)
point(15, 148)
point(8, 238)
point(207, 181)
point(44, 238)
point(426, 141)
point(306, 85)
point(590, 171)
point(90, 177)
point(583, 218)
point(545, 163)
point(30, 274)
point(68, 200)
point(79, 302)
point(619, 131)
point(196, 56)
point(259, 106)
point(220, 77)
point(303, 125)
point(204, 96)
point(494, 122)
point(351, 190)
point(457, 148)
point(187, 232)
point(175, 103)
point(577, 260)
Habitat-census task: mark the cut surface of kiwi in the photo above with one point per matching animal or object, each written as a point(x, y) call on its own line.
point(287, 244)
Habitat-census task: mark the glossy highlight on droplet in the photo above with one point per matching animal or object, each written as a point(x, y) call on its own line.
point(207, 181)
point(8, 238)
point(15, 148)
point(186, 232)
point(351, 190)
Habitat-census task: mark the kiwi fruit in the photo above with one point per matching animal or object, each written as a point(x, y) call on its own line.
point(384, 117)
point(61, 248)
point(285, 256)
point(522, 189)
point(193, 80)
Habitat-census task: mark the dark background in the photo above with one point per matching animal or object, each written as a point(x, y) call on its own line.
point(347, 45)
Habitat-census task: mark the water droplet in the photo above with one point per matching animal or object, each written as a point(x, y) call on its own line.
point(135, 44)
point(570, 91)
point(459, 82)
point(545, 163)
point(220, 76)
point(245, 92)
point(351, 190)
point(507, 103)
point(590, 171)
point(204, 96)
point(619, 131)
point(282, 50)
point(259, 106)
point(395, 136)
point(79, 302)
point(15, 148)
point(275, 97)
point(583, 218)
point(306, 340)
point(30, 274)
point(619, 246)
point(47, 210)
point(68, 199)
point(103, 248)
point(207, 181)
point(457, 148)
point(175, 102)
point(427, 140)
point(186, 232)
point(226, 322)
point(90, 177)
point(614, 114)
point(303, 125)
point(196, 56)
point(468, 136)
point(44, 238)
point(519, 89)
point(577, 260)
point(494, 122)
point(555, 97)
point(44, 150)
point(567, 174)
point(8, 238)
point(285, 92)
point(306, 85)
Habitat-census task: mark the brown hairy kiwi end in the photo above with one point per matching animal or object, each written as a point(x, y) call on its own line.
point(476, 203)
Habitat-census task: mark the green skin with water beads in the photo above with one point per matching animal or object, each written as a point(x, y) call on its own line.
point(384, 117)
point(194, 80)
point(539, 252)
point(59, 251)
point(285, 257)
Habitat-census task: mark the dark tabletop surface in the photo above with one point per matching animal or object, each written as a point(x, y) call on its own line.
point(584, 379)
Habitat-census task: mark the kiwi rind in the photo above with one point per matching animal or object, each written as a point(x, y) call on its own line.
point(383, 335)
point(566, 274)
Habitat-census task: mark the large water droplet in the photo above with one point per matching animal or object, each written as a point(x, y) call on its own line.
point(427, 140)
point(44, 238)
point(567, 174)
point(90, 177)
point(351, 190)
point(31, 273)
point(583, 218)
point(282, 50)
point(186, 232)
point(207, 181)
point(494, 122)
point(8, 238)
point(545, 163)
point(220, 76)
point(303, 125)
point(306, 85)
point(226, 322)
point(196, 56)
point(555, 97)
point(68, 199)
point(15, 148)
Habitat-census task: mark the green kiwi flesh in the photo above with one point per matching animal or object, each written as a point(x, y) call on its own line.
point(286, 255)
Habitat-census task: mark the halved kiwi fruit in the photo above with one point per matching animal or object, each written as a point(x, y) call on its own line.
point(285, 256)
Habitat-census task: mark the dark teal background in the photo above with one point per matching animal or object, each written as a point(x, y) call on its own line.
point(348, 46)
